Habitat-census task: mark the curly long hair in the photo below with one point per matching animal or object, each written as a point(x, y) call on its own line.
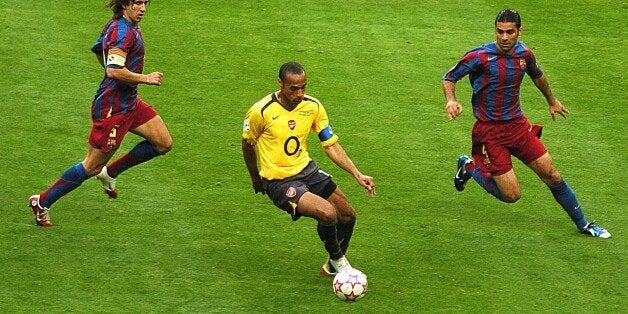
point(116, 6)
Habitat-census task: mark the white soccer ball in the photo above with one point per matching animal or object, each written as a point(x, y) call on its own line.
point(350, 285)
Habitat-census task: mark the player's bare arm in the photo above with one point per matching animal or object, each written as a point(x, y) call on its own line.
point(124, 75)
point(555, 106)
point(453, 108)
point(250, 159)
point(338, 155)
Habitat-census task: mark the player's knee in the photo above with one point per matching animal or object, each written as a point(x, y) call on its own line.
point(164, 150)
point(550, 175)
point(92, 170)
point(554, 178)
point(347, 216)
point(164, 147)
point(511, 197)
point(327, 215)
point(328, 219)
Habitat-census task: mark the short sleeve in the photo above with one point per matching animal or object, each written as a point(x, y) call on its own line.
point(468, 63)
point(253, 125)
point(532, 68)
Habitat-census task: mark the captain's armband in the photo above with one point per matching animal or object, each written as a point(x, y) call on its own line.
point(326, 133)
point(116, 57)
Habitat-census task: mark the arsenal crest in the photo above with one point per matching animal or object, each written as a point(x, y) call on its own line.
point(292, 124)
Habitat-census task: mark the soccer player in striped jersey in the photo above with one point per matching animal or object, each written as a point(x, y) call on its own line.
point(501, 130)
point(277, 127)
point(116, 110)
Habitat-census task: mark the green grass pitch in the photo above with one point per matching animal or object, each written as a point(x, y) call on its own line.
point(187, 233)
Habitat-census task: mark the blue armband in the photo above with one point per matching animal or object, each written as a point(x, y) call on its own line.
point(325, 133)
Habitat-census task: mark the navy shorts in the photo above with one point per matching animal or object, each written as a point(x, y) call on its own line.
point(286, 193)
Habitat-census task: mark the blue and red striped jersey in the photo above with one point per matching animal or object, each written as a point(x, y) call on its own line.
point(114, 96)
point(496, 79)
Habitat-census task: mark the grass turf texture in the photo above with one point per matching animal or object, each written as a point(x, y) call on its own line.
point(187, 234)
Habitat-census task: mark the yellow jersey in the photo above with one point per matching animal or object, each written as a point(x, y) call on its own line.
point(281, 135)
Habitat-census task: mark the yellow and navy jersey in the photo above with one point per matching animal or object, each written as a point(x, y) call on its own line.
point(281, 135)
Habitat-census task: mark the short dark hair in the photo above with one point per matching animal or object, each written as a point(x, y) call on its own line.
point(508, 16)
point(290, 67)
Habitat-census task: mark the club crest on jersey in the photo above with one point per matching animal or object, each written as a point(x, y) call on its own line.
point(522, 64)
point(111, 143)
point(291, 192)
point(292, 124)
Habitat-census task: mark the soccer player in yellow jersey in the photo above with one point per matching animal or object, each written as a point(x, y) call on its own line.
point(278, 125)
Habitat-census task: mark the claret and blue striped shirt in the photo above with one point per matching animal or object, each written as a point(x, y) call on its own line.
point(122, 38)
point(496, 79)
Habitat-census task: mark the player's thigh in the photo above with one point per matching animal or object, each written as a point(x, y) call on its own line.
point(148, 124)
point(508, 186)
point(156, 132)
point(546, 170)
point(312, 205)
point(340, 202)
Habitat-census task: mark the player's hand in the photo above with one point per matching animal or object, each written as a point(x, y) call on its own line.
point(154, 78)
point(453, 109)
point(368, 184)
point(258, 187)
point(557, 107)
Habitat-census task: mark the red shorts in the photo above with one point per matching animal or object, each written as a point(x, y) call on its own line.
point(495, 142)
point(107, 134)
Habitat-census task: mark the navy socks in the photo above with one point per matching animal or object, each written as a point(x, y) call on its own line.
point(486, 181)
point(142, 152)
point(565, 196)
point(70, 180)
point(328, 235)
